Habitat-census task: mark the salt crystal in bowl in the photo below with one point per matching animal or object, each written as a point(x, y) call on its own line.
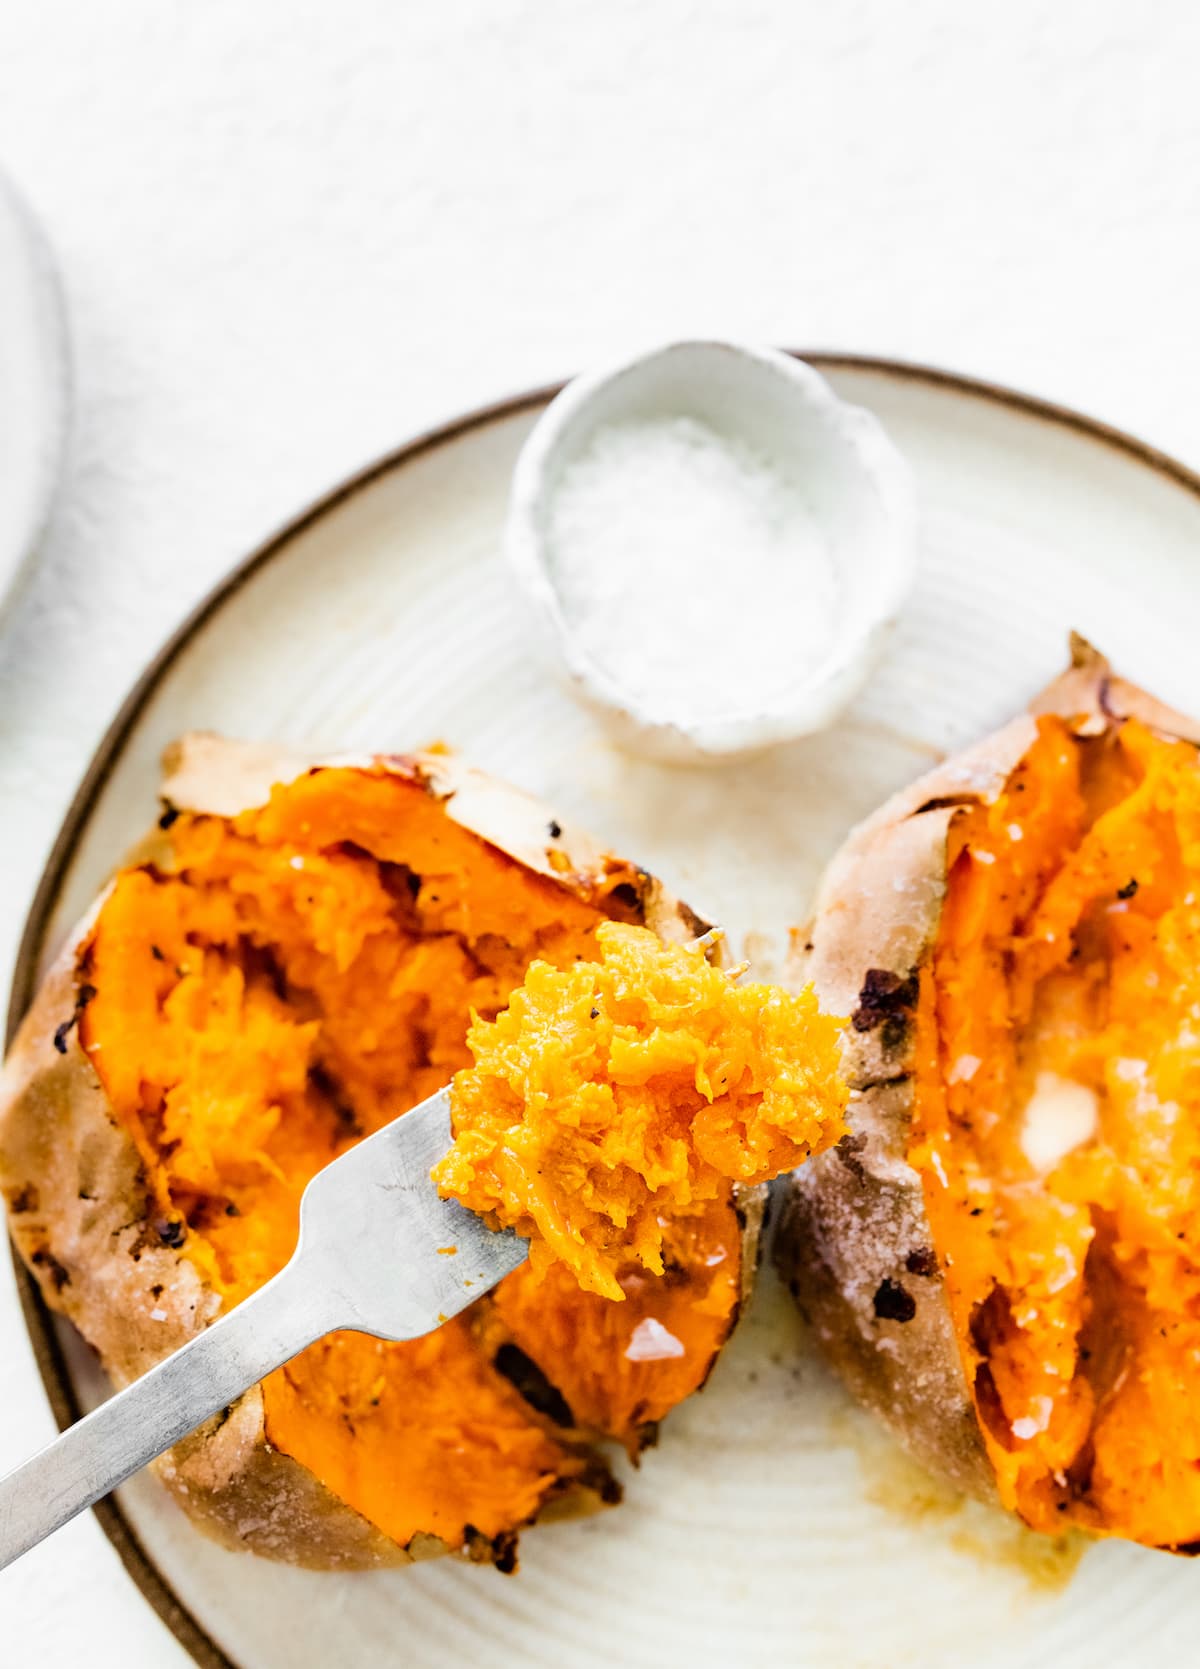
point(714, 544)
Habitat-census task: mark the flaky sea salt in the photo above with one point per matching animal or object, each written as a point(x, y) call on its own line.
point(690, 570)
point(651, 1342)
point(1033, 1423)
point(964, 1069)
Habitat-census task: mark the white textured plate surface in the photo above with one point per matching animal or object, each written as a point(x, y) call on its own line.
point(772, 1526)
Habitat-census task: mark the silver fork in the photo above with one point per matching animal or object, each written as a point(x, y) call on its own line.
point(371, 1257)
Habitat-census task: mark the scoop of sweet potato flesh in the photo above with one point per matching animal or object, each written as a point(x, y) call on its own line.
point(616, 1099)
point(306, 972)
point(1058, 1129)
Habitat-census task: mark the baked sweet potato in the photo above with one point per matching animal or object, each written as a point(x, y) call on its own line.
point(290, 961)
point(1003, 1257)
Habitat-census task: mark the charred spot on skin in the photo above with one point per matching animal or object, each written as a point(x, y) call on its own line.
point(83, 996)
point(886, 1000)
point(499, 1550)
point(885, 1080)
point(893, 1302)
point(1129, 889)
point(504, 1553)
point(894, 1032)
point(946, 802)
point(647, 1435)
point(848, 1150)
point(23, 1199)
point(528, 1380)
point(922, 1260)
point(44, 1259)
point(171, 1231)
point(170, 814)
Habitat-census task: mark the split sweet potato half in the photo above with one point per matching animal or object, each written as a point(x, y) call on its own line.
point(1003, 1257)
point(291, 961)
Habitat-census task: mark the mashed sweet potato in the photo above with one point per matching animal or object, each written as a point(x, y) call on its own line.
point(1057, 1127)
point(616, 1099)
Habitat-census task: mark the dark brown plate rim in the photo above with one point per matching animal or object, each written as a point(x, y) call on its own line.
point(38, 1319)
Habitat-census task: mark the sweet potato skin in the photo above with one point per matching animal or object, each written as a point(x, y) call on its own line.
point(854, 1242)
point(82, 1217)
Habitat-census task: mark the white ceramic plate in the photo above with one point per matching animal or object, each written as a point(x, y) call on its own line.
point(773, 1525)
point(34, 385)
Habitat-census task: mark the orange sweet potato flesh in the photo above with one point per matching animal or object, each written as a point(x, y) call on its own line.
point(296, 977)
point(1069, 955)
point(615, 1100)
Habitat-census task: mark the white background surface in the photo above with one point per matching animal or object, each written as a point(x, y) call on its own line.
point(293, 234)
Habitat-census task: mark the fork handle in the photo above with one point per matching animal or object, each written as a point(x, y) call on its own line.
point(205, 1375)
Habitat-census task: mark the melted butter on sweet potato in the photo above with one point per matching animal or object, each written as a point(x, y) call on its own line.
point(1068, 965)
point(616, 1098)
point(305, 973)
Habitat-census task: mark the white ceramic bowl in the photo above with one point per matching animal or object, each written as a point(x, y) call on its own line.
point(855, 484)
